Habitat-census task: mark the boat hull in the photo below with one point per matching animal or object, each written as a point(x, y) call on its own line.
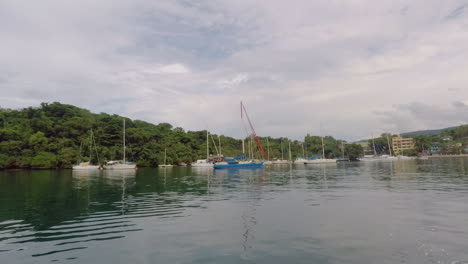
point(121, 167)
point(321, 161)
point(239, 165)
point(85, 168)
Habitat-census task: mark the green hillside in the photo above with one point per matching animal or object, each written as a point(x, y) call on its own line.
point(50, 136)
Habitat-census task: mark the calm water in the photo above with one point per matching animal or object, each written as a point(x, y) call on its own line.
point(382, 212)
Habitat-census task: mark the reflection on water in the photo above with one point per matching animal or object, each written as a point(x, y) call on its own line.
point(410, 211)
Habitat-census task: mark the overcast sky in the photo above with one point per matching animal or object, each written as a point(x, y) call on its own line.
point(344, 68)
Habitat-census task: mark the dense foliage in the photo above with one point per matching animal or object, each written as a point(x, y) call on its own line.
point(58, 135)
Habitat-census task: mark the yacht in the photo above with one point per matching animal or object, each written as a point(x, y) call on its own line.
point(321, 160)
point(206, 163)
point(88, 165)
point(121, 164)
point(165, 165)
point(282, 160)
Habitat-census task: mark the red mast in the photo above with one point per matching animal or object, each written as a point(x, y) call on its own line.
point(257, 140)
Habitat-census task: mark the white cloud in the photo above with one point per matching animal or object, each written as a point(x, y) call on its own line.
point(296, 64)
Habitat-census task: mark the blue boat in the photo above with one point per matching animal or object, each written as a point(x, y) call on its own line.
point(233, 163)
point(237, 165)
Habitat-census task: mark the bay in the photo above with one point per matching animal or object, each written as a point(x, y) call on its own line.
point(411, 211)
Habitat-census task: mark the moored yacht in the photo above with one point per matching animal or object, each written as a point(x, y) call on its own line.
point(206, 163)
point(121, 164)
point(87, 165)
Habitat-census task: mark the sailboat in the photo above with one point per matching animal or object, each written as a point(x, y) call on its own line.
point(121, 164)
point(342, 158)
point(88, 165)
point(165, 165)
point(206, 163)
point(301, 160)
point(236, 162)
point(322, 159)
point(267, 161)
point(282, 160)
point(384, 157)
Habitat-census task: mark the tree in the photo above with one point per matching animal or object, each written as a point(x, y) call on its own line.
point(354, 151)
point(38, 142)
point(44, 160)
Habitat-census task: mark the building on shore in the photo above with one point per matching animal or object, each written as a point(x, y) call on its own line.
point(400, 144)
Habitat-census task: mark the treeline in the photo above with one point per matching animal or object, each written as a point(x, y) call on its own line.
point(58, 135)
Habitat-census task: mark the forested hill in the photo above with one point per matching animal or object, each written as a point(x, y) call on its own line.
point(58, 135)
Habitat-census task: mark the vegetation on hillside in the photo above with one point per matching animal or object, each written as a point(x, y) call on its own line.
point(58, 135)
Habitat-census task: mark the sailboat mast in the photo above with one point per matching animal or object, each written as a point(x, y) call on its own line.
point(123, 138)
point(290, 156)
point(342, 148)
point(389, 148)
point(164, 156)
point(373, 144)
point(219, 140)
point(243, 146)
point(281, 142)
point(90, 145)
point(323, 149)
point(207, 147)
point(268, 150)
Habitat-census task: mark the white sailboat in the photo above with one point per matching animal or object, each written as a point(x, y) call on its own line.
point(88, 165)
point(381, 157)
point(302, 160)
point(206, 163)
point(282, 160)
point(165, 165)
point(321, 160)
point(121, 164)
point(268, 162)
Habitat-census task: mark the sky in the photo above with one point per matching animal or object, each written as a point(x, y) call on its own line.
point(350, 69)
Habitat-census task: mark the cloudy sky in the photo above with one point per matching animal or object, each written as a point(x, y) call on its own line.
point(345, 68)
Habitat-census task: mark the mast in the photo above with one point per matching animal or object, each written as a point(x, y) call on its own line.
point(164, 156)
point(254, 135)
point(268, 150)
point(342, 149)
point(243, 146)
point(290, 156)
point(219, 141)
point(90, 145)
point(123, 138)
point(389, 148)
point(323, 149)
point(281, 142)
point(303, 151)
point(207, 147)
point(373, 144)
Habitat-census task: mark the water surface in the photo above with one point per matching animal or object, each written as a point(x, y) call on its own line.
point(380, 212)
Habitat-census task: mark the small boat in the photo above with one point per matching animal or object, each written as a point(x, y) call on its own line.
point(202, 164)
point(281, 161)
point(165, 165)
point(237, 165)
point(206, 163)
point(320, 161)
point(88, 165)
point(121, 164)
point(342, 159)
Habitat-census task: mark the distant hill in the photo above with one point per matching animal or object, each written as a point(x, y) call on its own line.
point(430, 132)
